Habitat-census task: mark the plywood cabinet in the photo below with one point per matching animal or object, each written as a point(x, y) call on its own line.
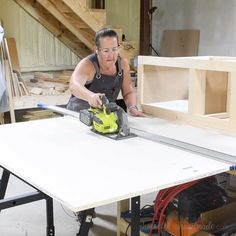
point(197, 90)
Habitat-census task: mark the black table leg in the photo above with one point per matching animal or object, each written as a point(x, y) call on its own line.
point(3, 183)
point(50, 220)
point(86, 222)
point(135, 216)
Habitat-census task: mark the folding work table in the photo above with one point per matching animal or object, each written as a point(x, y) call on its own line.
point(65, 161)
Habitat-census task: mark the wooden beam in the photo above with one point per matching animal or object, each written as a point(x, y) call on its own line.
point(189, 62)
point(54, 26)
point(122, 206)
point(68, 13)
point(72, 18)
point(81, 12)
point(100, 15)
point(145, 38)
point(85, 4)
point(197, 90)
point(141, 82)
point(13, 54)
point(9, 90)
point(232, 98)
point(52, 8)
point(26, 102)
point(1, 118)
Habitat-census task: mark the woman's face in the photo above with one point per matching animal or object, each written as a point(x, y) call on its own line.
point(108, 50)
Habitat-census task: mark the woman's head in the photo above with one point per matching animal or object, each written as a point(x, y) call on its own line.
point(107, 46)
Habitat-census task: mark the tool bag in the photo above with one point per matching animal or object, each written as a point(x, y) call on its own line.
point(206, 195)
point(226, 230)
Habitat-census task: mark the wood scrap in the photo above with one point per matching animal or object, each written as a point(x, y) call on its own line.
point(22, 83)
point(18, 85)
point(46, 85)
point(36, 91)
point(9, 90)
point(13, 54)
point(49, 87)
point(39, 114)
point(63, 77)
point(18, 91)
point(50, 92)
point(1, 118)
point(2, 57)
point(43, 76)
point(14, 86)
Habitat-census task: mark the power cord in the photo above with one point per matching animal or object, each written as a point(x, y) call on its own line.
point(126, 231)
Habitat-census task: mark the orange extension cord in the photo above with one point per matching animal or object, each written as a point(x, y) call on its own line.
point(163, 198)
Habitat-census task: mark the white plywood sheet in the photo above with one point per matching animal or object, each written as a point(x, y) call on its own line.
point(80, 169)
point(175, 105)
point(204, 137)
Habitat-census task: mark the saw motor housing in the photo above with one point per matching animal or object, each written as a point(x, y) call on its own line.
point(104, 120)
point(110, 119)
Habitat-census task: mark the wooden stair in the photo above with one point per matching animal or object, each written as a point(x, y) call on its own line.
point(74, 23)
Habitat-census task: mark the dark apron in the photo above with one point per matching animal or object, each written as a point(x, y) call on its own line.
point(109, 85)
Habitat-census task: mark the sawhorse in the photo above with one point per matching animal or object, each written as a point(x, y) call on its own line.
point(37, 195)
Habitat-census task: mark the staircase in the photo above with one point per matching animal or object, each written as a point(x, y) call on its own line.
point(74, 23)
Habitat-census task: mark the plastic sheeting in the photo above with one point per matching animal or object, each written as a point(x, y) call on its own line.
point(3, 91)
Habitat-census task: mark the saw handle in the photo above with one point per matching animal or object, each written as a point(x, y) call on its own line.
point(104, 100)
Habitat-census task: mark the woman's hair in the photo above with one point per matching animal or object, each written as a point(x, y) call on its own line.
point(105, 32)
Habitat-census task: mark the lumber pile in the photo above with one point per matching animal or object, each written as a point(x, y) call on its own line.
point(49, 83)
point(50, 88)
point(39, 114)
point(42, 83)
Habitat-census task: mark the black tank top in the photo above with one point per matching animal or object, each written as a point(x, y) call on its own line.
point(107, 84)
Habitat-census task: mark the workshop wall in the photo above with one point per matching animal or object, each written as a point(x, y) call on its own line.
point(214, 18)
point(38, 49)
point(124, 14)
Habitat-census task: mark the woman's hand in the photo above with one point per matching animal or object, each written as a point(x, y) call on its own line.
point(95, 100)
point(133, 111)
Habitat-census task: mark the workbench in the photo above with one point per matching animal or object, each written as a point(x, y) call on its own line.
point(50, 154)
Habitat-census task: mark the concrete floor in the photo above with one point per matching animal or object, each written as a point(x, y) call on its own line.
point(30, 219)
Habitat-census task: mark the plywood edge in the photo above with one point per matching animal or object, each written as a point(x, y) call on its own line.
point(195, 63)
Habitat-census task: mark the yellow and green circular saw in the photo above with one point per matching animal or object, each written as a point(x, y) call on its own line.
point(109, 120)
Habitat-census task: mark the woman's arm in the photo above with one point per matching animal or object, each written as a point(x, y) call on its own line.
point(84, 72)
point(127, 90)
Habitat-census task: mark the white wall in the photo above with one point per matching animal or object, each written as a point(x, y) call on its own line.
point(216, 20)
point(38, 49)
